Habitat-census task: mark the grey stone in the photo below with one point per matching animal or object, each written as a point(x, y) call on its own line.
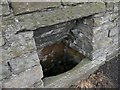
point(112, 48)
point(85, 30)
point(2, 41)
point(99, 36)
point(24, 79)
point(5, 70)
point(18, 46)
point(24, 62)
point(35, 20)
point(102, 43)
point(4, 8)
point(109, 25)
point(23, 7)
point(114, 31)
point(87, 47)
point(10, 26)
point(0, 84)
point(39, 84)
point(110, 6)
point(98, 53)
point(73, 2)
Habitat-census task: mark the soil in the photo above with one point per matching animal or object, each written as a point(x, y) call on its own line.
point(107, 76)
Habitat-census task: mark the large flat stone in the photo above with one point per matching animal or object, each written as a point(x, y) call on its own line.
point(25, 79)
point(27, 61)
point(18, 46)
point(23, 7)
point(40, 19)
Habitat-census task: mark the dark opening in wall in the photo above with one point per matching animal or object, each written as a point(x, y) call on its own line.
point(59, 58)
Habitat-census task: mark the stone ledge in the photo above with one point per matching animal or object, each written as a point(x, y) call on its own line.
point(73, 75)
point(23, 7)
point(40, 19)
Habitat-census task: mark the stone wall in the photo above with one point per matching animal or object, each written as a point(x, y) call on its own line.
point(89, 28)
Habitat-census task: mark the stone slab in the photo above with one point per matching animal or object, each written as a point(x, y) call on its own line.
point(41, 19)
point(25, 79)
point(23, 7)
point(24, 62)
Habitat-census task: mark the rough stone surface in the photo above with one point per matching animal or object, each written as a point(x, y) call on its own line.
point(4, 8)
point(25, 79)
point(5, 71)
point(23, 7)
point(2, 41)
point(87, 28)
point(35, 20)
point(25, 62)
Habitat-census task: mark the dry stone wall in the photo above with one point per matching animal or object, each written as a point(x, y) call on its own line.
point(90, 28)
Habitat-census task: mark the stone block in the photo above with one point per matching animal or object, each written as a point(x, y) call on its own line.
point(97, 53)
point(10, 26)
point(109, 6)
point(106, 26)
point(85, 30)
point(114, 31)
point(99, 36)
point(24, 79)
point(109, 25)
point(41, 19)
point(24, 62)
point(23, 7)
point(110, 49)
point(72, 2)
point(4, 8)
point(18, 46)
point(114, 39)
point(2, 40)
point(39, 84)
point(4, 70)
point(87, 47)
point(102, 43)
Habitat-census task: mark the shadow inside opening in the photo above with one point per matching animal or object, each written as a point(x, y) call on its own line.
point(59, 58)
